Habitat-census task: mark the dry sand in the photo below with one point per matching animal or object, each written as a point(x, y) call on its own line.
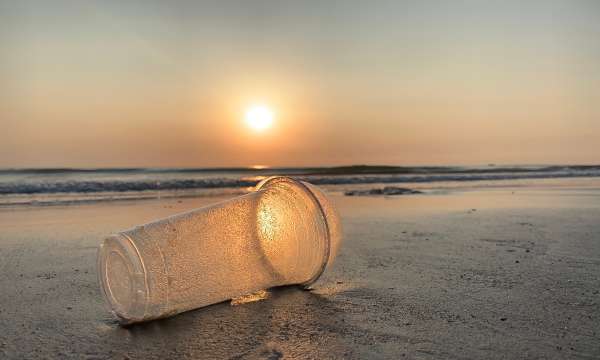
point(487, 274)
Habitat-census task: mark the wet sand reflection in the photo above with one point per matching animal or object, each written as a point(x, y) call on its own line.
point(292, 322)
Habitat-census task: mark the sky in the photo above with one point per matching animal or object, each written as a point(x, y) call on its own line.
point(167, 84)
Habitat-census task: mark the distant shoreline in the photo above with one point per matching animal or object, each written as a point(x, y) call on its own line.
point(325, 170)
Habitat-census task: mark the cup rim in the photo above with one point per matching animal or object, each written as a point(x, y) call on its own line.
point(270, 181)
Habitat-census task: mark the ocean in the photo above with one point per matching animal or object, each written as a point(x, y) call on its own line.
point(61, 186)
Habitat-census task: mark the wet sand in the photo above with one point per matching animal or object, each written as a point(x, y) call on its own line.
point(505, 273)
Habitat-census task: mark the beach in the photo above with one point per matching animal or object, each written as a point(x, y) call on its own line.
point(170, 174)
point(507, 272)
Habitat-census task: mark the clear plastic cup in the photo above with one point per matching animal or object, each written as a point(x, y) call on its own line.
point(286, 232)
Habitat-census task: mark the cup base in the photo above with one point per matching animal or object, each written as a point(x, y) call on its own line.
point(122, 277)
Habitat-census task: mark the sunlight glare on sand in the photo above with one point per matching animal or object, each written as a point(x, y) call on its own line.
point(256, 296)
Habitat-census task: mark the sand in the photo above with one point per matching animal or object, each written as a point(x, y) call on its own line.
point(501, 273)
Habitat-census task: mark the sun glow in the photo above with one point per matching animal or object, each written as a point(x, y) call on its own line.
point(259, 117)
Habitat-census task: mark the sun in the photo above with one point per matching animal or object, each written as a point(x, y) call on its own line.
point(259, 117)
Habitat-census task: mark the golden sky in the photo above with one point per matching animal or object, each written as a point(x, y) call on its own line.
point(103, 84)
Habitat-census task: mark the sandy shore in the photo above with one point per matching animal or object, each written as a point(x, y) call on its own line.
point(482, 274)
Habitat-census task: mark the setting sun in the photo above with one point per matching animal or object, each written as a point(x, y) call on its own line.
point(259, 117)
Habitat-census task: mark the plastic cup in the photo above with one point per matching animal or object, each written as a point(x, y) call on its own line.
point(285, 232)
